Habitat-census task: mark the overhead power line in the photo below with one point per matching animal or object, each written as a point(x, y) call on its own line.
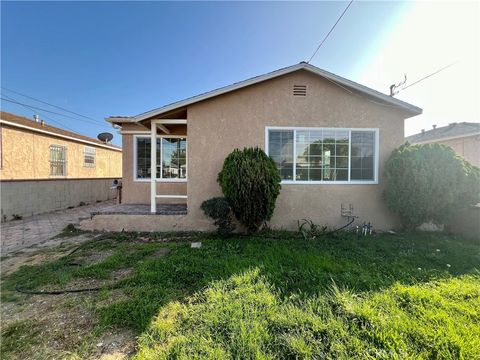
point(333, 27)
point(426, 77)
point(43, 115)
point(31, 107)
point(47, 103)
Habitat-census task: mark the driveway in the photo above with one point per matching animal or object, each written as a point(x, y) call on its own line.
point(37, 231)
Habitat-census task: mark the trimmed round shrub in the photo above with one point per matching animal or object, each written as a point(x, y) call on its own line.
point(218, 209)
point(250, 181)
point(429, 183)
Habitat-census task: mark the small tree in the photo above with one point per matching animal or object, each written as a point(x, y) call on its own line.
point(250, 181)
point(218, 209)
point(429, 183)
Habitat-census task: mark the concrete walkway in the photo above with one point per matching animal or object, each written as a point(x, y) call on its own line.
point(19, 235)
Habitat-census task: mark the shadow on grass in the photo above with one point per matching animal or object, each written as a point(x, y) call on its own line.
point(295, 267)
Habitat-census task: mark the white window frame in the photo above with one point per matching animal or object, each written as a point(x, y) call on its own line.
point(93, 153)
point(328, 182)
point(162, 180)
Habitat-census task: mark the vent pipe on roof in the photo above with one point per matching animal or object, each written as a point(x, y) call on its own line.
point(36, 118)
point(423, 130)
point(434, 126)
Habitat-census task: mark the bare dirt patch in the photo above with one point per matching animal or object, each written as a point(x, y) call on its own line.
point(47, 251)
point(63, 324)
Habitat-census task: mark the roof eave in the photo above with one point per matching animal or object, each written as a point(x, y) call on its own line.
point(409, 108)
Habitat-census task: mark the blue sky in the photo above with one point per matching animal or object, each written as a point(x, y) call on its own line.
point(123, 58)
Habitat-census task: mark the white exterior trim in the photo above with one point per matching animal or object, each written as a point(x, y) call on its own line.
point(414, 110)
point(131, 132)
point(71, 138)
point(153, 167)
point(348, 182)
point(158, 180)
point(170, 121)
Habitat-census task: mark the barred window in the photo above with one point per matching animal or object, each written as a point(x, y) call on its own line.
point(58, 160)
point(89, 154)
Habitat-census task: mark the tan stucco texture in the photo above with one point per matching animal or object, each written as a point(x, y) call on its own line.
point(26, 155)
point(238, 119)
point(466, 147)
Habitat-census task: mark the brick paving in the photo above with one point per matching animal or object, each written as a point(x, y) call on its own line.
point(142, 209)
point(19, 235)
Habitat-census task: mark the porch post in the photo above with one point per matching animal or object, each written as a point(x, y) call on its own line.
point(153, 167)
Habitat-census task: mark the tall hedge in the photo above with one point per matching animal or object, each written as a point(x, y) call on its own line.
point(250, 181)
point(429, 183)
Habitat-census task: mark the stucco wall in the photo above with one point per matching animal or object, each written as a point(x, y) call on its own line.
point(26, 155)
point(27, 198)
point(238, 119)
point(138, 192)
point(467, 147)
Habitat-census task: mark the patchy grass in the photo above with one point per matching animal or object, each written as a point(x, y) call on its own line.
point(19, 336)
point(278, 295)
point(69, 231)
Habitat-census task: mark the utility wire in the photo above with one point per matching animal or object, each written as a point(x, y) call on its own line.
point(43, 115)
point(46, 103)
point(333, 27)
point(426, 77)
point(49, 111)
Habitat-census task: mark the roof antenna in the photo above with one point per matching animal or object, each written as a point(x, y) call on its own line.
point(394, 88)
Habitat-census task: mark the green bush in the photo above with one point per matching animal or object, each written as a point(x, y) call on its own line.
point(429, 183)
point(250, 181)
point(219, 209)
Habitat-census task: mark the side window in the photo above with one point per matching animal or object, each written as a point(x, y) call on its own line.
point(58, 160)
point(89, 155)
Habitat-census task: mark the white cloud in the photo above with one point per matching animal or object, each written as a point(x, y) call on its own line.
point(430, 36)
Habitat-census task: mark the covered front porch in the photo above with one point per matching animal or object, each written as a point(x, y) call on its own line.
point(170, 168)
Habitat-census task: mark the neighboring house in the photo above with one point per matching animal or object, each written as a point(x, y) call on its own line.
point(44, 168)
point(463, 138)
point(329, 137)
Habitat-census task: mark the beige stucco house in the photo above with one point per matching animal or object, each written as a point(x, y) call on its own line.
point(45, 168)
point(463, 138)
point(329, 137)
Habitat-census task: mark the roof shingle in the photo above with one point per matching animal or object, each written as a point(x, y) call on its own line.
point(450, 131)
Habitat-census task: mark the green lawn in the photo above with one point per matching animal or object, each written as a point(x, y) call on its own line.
point(279, 296)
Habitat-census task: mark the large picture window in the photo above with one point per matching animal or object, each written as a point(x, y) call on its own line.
point(171, 158)
point(324, 155)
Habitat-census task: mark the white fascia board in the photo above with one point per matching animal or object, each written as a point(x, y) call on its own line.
point(414, 110)
point(71, 138)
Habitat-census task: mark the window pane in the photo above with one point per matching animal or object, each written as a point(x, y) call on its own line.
point(58, 160)
point(280, 149)
point(362, 152)
point(143, 158)
point(174, 158)
point(89, 154)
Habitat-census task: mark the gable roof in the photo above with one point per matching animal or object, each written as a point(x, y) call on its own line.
point(451, 131)
point(25, 123)
point(340, 81)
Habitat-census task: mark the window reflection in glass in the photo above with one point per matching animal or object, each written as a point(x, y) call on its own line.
point(174, 158)
point(280, 146)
